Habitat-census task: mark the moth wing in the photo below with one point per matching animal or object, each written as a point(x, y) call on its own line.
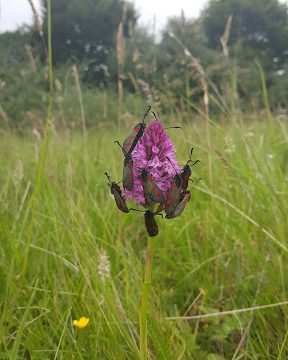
point(150, 224)
point(120, 202)
point(128, 181)
point(181, 206)
point(129, 141)
point(185, 175)
point(173, 197)
point(153, 190)
point(147, 197)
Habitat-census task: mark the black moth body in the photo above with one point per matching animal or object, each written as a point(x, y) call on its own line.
point(187, 172)
point(128, 182)
point(185, 175)
point(173, 194)
point(184, 199)
point(132, 140)
point(150, 223)
point(117, 193)
point(137, 132)
point(120, 202)
point(128, 146)
point(151, 189)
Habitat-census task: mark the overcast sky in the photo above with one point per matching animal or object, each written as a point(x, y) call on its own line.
point(14, 13)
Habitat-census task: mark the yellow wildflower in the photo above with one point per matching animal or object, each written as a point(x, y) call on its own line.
point(81, 323)
point(202, 291)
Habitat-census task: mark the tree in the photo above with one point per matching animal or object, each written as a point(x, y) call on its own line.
point(86, 30)
point(176, 70)
point(259, 30)
point(22, 87)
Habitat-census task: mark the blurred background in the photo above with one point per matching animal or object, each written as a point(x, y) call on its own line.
point(169, 54)
point(217, 68)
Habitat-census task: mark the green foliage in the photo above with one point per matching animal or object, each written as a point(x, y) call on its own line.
point(13, 53)
point(87, 30)
point(259, 29)
point(175, 69)
point(212, 246)
point(22, 84)
point(164, 74)
point(278, 85)
point(24, 93)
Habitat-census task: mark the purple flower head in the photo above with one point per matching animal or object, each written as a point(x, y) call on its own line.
point(151, 153)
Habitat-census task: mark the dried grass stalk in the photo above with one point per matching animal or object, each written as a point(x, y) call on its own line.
point(120, 60)
point(37, 24)
point(78, 86)
point(36, 17)
point(5, 119)
point(31, 58)
point(225, 37)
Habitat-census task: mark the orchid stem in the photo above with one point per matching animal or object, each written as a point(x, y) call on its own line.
point(144, 299)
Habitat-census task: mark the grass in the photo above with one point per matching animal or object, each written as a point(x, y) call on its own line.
point(227, 251)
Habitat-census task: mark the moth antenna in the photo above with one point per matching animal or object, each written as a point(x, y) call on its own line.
point(171, 164)
point(108, 177)
point(158, 215)
point(117, 142)
point(154, 115)
point(191, 152)
point(136, 210)
point(174, 127)
point(121, 180)
point(147, 112)
point(194, 162)
point(197, 182)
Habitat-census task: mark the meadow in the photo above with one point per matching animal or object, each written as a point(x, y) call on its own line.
point(66, 251)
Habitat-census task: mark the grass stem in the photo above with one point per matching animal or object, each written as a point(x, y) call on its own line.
point(144, 299)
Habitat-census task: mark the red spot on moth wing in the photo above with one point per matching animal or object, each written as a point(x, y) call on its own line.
point(168, 202)
point(136, 129)
point(130, 166)
point(114, 192)
point(150, 179)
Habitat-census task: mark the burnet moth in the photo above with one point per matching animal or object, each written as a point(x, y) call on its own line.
point(184, 199)
point(117, 193)
point(173, 193)
point(127, 148)
point(187, 172)
point(151, 189)
point(132, 140)
point(128, 182)
point(150, 223)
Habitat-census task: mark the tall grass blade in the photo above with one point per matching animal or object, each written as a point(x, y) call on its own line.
point(15, 349)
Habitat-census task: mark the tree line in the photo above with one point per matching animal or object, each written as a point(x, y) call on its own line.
point(227, 48)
